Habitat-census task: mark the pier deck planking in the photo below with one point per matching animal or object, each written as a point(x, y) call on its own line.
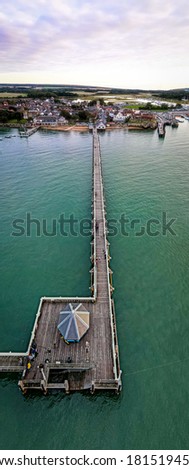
point(93, 362)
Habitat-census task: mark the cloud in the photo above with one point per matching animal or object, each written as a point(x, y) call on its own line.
point(67, 36)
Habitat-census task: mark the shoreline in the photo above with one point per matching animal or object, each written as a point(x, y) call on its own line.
point(65, 128)
point(86, 129)
point(80, 128)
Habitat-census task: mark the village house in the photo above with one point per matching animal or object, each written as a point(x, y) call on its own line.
point(100, 125)
point(119, 117)
point(46, 121)
point(62, 121)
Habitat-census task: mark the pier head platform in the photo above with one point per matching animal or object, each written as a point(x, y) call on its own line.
point(91, 363)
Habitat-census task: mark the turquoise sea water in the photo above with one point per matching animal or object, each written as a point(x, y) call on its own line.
point(144, 176)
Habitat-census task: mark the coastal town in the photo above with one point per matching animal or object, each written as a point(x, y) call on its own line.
point(80, 114)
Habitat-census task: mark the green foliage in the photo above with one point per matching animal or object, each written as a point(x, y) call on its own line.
point(92, 103)
point(66, 114)
point(83, 115)
point(44, 94)
point(149, 106)
point(7, 116)
point(88, 90)
point(178, 105)
point(121, 91)
point(173, 94)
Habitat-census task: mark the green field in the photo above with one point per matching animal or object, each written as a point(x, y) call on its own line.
point(5, 94)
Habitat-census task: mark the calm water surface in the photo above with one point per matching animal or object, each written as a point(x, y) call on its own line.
point(49, 174)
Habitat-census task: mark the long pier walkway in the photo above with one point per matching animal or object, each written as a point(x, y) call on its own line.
point(92, 363)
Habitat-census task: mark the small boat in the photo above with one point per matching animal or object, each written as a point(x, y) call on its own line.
point(179, 120)
point(23, 134)
point(7, 136)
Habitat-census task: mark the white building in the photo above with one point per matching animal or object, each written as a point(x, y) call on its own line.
point(101, 126)
point(119, 117)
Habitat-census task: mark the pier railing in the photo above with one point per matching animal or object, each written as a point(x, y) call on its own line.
point(94, 226)
point(97, 179)
point(116, 374)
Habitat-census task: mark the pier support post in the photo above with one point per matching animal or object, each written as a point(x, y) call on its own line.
point(67, 388)
point(92, 389)
point(21, 386)
point(44, 381)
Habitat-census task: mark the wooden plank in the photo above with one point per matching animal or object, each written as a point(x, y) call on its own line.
point(94, 361)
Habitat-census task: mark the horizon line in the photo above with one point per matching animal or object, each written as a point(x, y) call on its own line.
point(91, 86)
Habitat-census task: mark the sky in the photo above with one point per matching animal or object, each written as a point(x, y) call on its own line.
point(114, 43)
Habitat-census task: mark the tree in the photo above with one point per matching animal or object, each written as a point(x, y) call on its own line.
point(66, 114)
point(92, 103)
point(6, 115)
point(83, 115)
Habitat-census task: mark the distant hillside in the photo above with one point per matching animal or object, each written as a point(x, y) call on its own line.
point(176, 94)
point(72, 91)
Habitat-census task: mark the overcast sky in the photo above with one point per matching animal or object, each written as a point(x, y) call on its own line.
point(116, 43)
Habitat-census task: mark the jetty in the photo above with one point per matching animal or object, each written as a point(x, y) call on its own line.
point(27, 132)
point(161, 129)
point(91, 363)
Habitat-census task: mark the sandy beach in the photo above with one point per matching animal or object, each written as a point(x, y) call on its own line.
point(66, 128)
point(86, 129)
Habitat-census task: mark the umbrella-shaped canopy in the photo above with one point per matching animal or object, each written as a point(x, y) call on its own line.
point(73, 322)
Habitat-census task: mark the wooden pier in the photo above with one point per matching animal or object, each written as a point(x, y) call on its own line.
point(161, 129)
point(27, 132)
point(93, 362)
